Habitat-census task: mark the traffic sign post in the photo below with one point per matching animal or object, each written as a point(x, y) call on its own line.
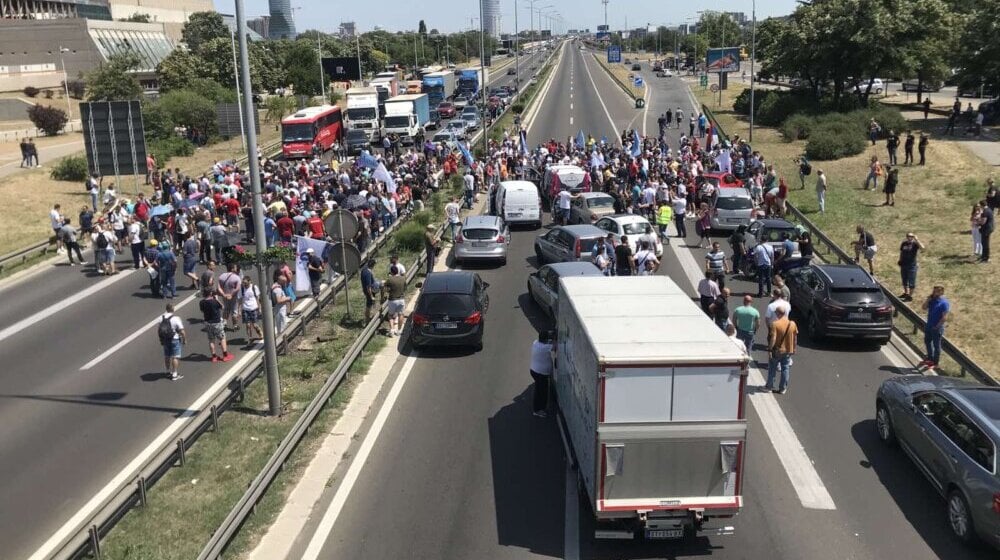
point(703, 80)
point(614, 54)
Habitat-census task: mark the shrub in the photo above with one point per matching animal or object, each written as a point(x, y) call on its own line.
point(518, 108)
point(423, 218)
point(48, 119)
point(889, 117)
point(73, 168)
point(49, 94)
point(171, 146)
point(189, 108)
point(797, 127)
point(31, 91)
point(834, 139)
point(410, 236)
point(77, 88)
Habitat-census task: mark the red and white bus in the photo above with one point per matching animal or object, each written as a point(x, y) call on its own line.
point(323, 124)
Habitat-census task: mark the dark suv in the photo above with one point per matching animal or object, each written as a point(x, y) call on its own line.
point(840, 300)
point(451, 311)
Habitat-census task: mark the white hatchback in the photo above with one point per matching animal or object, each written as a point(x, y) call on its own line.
point(634, 228)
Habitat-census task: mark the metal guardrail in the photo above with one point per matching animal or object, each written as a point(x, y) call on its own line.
point(19, 257)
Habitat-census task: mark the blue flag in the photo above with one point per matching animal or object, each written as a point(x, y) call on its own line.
point(604, 139)
point(636, 144)
point(524, 142)
point(580, 140)
point(367, 160)
point(469, 160)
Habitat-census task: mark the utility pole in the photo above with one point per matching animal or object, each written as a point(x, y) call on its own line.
point(517, 53)
point(270, 353)
point(361, 70)
point(69, 107)
point(605, 2)
point(753, 61)
point(239, 100)
point(322, 76)
point(482, 77)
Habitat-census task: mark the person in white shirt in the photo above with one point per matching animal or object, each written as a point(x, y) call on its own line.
point(541, 372)
point(731, 333)
point(708, 290)
point(453, 212)
point(250, 306)
point(777, 301)
point(646, 263)
point(56, 222)
point(565, 198)
point(135, 242)
point(174, 343)
point(110, 196)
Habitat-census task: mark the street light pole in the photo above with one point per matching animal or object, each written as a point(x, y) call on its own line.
point(239, 101)
point(517, 53)
point(270, 353)
point(482, 76)
point(753, 61)
point(322, 76)
point(69, 107)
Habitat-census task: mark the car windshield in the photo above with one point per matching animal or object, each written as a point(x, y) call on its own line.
point(361, 114)
point(457, 125)
point(444, 106)
point(600, 202)
point(479, 234)
point(356, 135)
point(636, 228)
point(587, 245)
point(399, 121)
point(458, 305)
point(442, 137)
point(469, 117)
point(301, 132)
point(734, 203)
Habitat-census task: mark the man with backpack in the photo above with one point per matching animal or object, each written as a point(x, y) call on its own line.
point(215, 325)
point(166, 263)
point(172, 338)
point(805, 170)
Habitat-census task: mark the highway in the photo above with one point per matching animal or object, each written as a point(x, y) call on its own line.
point(459, 468)
point(81, 389)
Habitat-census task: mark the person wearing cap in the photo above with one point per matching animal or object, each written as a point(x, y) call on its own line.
point(431, 243)
point(396, 286)
point(315, 265)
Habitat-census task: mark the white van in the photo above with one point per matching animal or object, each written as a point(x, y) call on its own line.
point(518, 203)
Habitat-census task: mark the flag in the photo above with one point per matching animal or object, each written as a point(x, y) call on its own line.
point(382, 174)
point(524, 142)
point(469, 160)
point(367, 160)
point(580, 139)
point(636, 144)
point(302, 284)
point(604, 139)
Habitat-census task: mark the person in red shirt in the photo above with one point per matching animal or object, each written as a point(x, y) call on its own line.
point(315, 225)
point(142, 208)
point(232, 207)
point(286, 228)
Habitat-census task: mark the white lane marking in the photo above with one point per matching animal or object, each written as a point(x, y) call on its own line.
point(50, 546)
point(571, 96)
point(599, 98)
point(808, 485)
point(645, 112)
point(571, 542)
point(570, 106)
point(571, 121)
point(57, 307)
point(104, 355)
point(350, 478)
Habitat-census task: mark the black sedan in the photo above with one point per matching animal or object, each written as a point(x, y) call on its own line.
point(451, 311)
point(355, 141)
point(433, 120)
point(840, 300)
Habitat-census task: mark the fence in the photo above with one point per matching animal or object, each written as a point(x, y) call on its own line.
point(916, 323)
point(21, 256)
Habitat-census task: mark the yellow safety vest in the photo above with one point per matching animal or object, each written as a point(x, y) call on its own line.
point(664, 215)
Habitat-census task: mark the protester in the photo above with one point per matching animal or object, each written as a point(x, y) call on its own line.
point(250, 309)
point(541, 372)
point(865, 245)
point(172, 338)
point(938, 310)
point(215, 325)
point(396, 288)
point(746, 320)
point(908, 250)
point(781, 342)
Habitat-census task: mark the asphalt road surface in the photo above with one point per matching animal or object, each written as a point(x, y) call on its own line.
point(459, 468)
point(82, 391)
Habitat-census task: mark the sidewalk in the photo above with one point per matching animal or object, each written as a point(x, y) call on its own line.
point(10, 160)
point(984, 146)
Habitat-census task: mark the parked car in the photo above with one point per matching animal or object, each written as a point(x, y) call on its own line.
point(877, 86)
point(450, 311)
point(471, 121)
point(664, 73)
point(482, 238)
point(446, 136)
point(355, 141)
point(840, 300)
point(731, 208)
point(636, 67)
point(446, 110)
point(990, 111)
point(511, 71)
point(461, 101)
point(517, 202)
point(951, 429)
point(633, 227)
point(567, 243)
point(913, 85)
point(543, 284)
point(469, 110)
point(433, 120)
point(723, 180)
point(770, 230)
point(590, 207)
point(457, 127)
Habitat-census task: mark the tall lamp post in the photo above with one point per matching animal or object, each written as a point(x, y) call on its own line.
point(239, 99)
point(69, 107)
point(482, 75)
point(517, 53)
point(270, 353)
point(753, 61)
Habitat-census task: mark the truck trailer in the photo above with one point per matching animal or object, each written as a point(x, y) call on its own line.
point(387, 87)
point(651, 401)
point(439, 86)
point(471, 81)
point(363, 111)
point(406, 115)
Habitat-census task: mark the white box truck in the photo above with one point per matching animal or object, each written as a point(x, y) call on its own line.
point(652, 407)
point(363, 112)
point(406, 115)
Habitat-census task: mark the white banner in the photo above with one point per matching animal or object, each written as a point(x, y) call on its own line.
point(302, 284)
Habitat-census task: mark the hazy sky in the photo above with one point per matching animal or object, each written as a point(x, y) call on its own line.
point(453, 15)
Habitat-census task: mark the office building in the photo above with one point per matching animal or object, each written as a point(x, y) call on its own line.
point(261, 25)
point(347, 29)
point(491, 17)
point(282, 24)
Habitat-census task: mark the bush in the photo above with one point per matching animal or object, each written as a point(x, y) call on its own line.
point(73, 168)
point(31, 91)
point(188, 108)
point(834, 139)
point(77, 88)
point(410, 237)
point(49, 120)
point(423, 218)
point(797, 127)
point(171, 146)
point(49, 94)
point(518, 108)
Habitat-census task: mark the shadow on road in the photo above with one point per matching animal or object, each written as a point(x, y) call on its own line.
point(104, 399)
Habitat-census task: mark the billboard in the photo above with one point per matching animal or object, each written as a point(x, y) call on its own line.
point(614, 54)
point(602, 35)
point(114, 138)
point(342, 69)
point(602, 28)
point(723, 60)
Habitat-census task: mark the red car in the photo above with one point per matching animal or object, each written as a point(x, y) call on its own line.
point(724, 180)
point(446, 110)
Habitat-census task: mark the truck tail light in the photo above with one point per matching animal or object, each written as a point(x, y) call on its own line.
point(459, 238)
point(473, 319)
point(996, 503)
point(420, 319)
point(577, 248)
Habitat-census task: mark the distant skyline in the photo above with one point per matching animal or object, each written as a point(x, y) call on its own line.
point(449, 16)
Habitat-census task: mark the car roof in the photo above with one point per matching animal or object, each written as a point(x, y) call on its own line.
point(846, 274)
point(984, 401)
point(776, 223)
point(575, 268)
point(584, 230)
point(450, 282)
point(482, 222)
point(519, 185)
point(733, 193)
point(595, 195)
point(627, 218)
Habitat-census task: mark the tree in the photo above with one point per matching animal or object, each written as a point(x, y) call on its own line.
point(180, 68)
point(720, 30)
point(277, 107)
point(302, 68)
point(978, 51)
point(77, 88)
point(422, 28)
point(49, 120)
point(114, 80)
point(201, 28)
point(266, 72)
point(187, 108)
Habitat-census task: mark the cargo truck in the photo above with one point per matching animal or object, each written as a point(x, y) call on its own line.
point(406, 115)
point(471, 81)
point(363, 112)
point(387, 87)
point(439, 87)
point(651, 401)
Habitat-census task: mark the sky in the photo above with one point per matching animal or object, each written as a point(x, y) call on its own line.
point(454, 15)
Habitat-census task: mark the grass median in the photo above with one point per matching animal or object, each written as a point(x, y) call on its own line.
point(933, 201)
point(622, 75)
point(189, 503)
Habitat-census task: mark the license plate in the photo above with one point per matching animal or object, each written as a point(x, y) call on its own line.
point(664, 533)
point(480, 244)
point(858, 316)
point(514, 214)
point(734, 220)
point(446, 325)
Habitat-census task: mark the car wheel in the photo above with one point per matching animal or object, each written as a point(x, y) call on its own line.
point(878, 91)
point(539, 258)
point(883, 425)
point(478, 346)
point(812, 325)
point(503, 261)
point(959, 517)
